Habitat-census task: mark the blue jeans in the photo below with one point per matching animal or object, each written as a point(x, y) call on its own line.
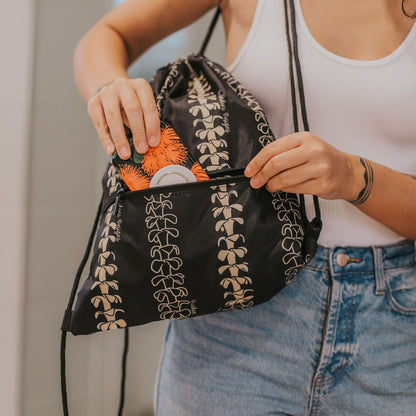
point(339, 340)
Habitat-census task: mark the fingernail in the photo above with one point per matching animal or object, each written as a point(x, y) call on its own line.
point(109, 149)
point(142, 147)
point(247, 171)
point(153, 141)
point(255, 183)
point(124, 152)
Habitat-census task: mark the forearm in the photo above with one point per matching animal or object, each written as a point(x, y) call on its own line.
point(121, 36)
point(392, 199)
point(99, 58)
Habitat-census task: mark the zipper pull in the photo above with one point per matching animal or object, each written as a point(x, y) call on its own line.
point(120, 193)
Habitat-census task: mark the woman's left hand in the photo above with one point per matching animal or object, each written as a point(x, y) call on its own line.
point(303, 163)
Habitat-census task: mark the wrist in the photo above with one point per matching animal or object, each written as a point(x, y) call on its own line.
point(106, 84)
point(101, 87)
point(354, 181)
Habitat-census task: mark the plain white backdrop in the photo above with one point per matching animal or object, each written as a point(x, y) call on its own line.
point(16, 46)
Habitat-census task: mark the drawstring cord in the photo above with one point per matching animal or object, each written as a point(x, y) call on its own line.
point(294, 56)
point(67, 319)
point(67, 315)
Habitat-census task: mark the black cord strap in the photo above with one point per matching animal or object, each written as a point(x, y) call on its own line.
point(298, 68)
point(210, 31)
point(292, 77)
point(294, 56)
point(123, 371)
point(64, 395)
point(67, 316)
point(66, 322)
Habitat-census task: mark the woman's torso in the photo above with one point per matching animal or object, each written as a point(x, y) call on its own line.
point(360, 90)
point(376, 34)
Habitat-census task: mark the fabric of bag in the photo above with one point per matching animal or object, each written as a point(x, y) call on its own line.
point(184, 250)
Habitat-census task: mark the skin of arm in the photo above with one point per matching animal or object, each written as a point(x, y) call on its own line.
point(103, 55)
point(121, 36)
point(392, 200)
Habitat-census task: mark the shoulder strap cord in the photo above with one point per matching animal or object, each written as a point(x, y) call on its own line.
point(210, 31)
point(123, 371)
point(67, 317)
point(293, 55)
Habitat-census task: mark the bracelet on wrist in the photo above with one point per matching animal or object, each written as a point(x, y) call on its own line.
point(102, 86)
point(369, 181)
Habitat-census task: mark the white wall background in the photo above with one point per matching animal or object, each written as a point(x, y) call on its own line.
point(16, 46)
point(51, 172)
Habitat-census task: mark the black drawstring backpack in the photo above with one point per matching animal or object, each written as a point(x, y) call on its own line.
point(183, 250)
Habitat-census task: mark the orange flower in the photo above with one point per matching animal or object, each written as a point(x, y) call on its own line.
point(170, 151)
point(134, 178)
point(199, 172)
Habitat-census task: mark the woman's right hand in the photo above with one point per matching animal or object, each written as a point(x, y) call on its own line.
point(127, 102)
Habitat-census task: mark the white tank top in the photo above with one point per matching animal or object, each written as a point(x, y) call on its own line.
point(366, 108)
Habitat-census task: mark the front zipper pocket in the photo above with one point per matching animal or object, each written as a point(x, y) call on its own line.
point(230, 177)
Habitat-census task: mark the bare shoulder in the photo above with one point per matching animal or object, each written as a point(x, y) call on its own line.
point(239, 10)
point(238, 16)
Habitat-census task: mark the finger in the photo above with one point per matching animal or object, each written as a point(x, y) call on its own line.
point(96, 112)
point(279, 163)
point(150, 113)
point(278, 146)
point(292, 177)
point(131, 107)
point(114, 119)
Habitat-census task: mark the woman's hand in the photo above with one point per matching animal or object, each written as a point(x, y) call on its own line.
point(127, 102)
point(303, 163)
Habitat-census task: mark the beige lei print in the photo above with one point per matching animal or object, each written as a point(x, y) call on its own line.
point(286, 205)
point(207, 108)
point(171, 294)
point(167, 86)
point(235, 280)
point(287, 209)
point(106, 268)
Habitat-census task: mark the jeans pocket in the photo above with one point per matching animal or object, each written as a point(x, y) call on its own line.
point(401, 289)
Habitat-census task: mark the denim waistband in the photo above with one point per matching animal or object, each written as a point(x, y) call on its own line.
point(364, 259)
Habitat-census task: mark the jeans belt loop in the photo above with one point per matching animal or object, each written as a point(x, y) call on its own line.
point(378, 270)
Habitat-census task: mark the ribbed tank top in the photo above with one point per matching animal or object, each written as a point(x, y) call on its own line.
point(366, 108)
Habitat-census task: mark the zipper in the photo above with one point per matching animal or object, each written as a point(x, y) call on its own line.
point(187, 186)
point(127, 194)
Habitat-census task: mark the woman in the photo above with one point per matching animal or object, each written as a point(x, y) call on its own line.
point(341, 338)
